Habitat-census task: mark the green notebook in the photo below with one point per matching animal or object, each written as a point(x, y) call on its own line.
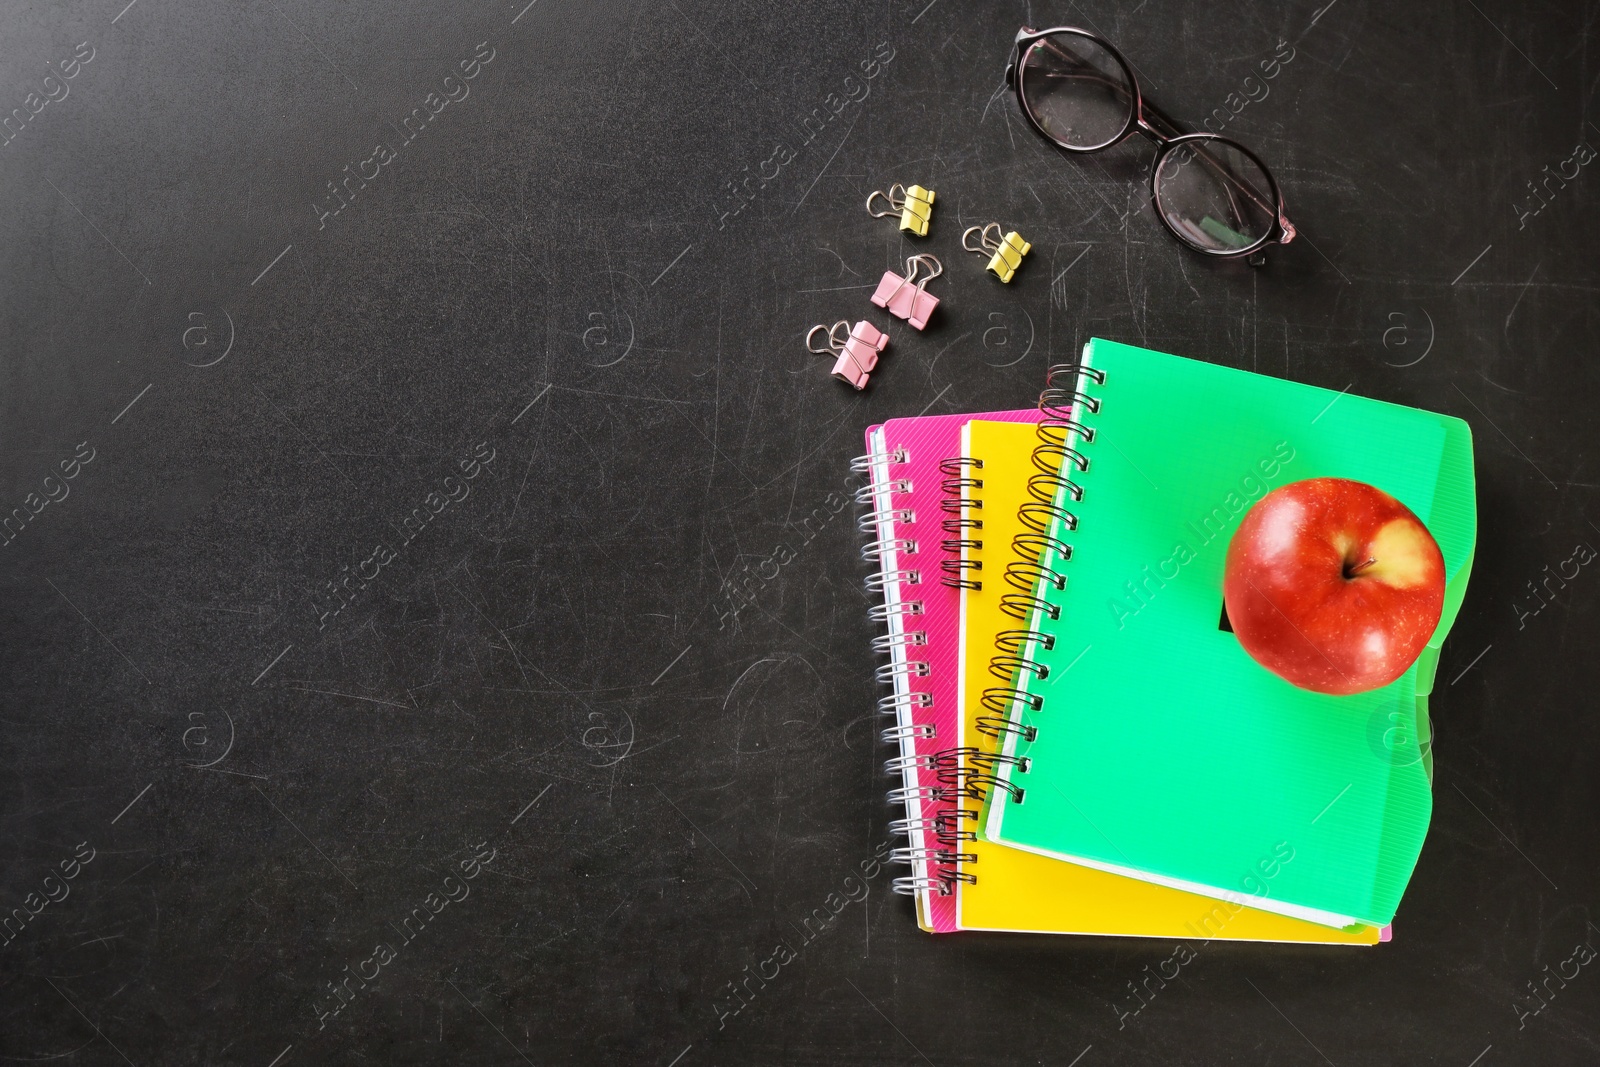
point(1162, 751)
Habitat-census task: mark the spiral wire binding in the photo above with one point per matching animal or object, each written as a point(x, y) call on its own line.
point(941, 861)
point(891, 704)
point(958, 571)
point(878, 494)
point(1063, 408)
point(885, 642)
point(868, 523)
point(863, 464)
point(962, 481)
point(876, 582)
point(1013, 640)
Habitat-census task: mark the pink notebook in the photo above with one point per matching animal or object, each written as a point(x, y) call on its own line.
point(917, 479)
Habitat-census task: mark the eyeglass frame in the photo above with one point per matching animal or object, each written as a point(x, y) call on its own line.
point(1155, 124)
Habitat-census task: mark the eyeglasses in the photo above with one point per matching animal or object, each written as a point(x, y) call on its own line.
point(1211, 192)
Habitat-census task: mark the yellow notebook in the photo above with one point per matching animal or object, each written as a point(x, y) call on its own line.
point(1022, 891)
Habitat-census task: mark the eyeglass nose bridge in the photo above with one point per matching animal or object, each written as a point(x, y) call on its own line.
point(1143, 126)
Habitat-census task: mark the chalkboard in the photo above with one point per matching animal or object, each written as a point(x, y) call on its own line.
point(395, 394)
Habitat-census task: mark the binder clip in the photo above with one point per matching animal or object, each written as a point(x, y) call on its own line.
point(913, 205)
point(857, 348)
point(1005, 253)
point(906, 297)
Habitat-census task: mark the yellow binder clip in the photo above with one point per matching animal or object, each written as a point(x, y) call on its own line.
point(913, 205)
point(1005, 253)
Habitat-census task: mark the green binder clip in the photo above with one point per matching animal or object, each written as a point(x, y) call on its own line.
point(1005, 253)
point(913, 205)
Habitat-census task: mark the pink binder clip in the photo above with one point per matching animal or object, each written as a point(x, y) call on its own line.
point(906, 297)
point(857, 348)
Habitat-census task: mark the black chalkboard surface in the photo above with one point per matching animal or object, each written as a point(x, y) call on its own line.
point(433, 628)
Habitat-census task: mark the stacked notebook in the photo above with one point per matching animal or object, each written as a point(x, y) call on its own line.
point(1083, 745)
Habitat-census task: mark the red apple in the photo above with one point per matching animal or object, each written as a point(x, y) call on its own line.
point(1333, 585)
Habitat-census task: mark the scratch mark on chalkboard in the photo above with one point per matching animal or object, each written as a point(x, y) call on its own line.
point(97, 630)
point(274, 263)
point(532, 402)
point(622, 396)
point(313, 45)
point(98, 230)
point(843, 266)
point(86, 1019)
point(866, 925)
point(890, 1021)
point(680, 1055)
point(798, 636)
point(674, 263)
point(280, 1055)
point(1502, 833)
point(992, 98)
point(826, 165)
point(719, 51)
point(102, 939)
point(495, 228)
point(1513, 45)
point(532, 802)
point(490, 1021)
point(1317, 17)
point(1074, 263)
point(308, 840)
point(348, 696)
point(744, 674)
point(304, 436)
point(1335, 266)
point(940, 354)
point(703, 834)
point(1474, 262)
point(1286, 1019)
point(1502, 433)
point(934, 401)
point(134, 875)
point(651, 748)
point(1473, 664)
point(241, 774)
point(274, 663)
point(1525, 287)
point(671, 665)
point(132, 402)
point(131, 803)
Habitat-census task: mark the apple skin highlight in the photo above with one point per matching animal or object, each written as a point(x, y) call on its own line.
point(1333, 585)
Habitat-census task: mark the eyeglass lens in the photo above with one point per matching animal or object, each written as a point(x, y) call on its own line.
point(1077, 91)
point(1214, 196)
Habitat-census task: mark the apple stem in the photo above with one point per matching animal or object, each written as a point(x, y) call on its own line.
point(1351, 572)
